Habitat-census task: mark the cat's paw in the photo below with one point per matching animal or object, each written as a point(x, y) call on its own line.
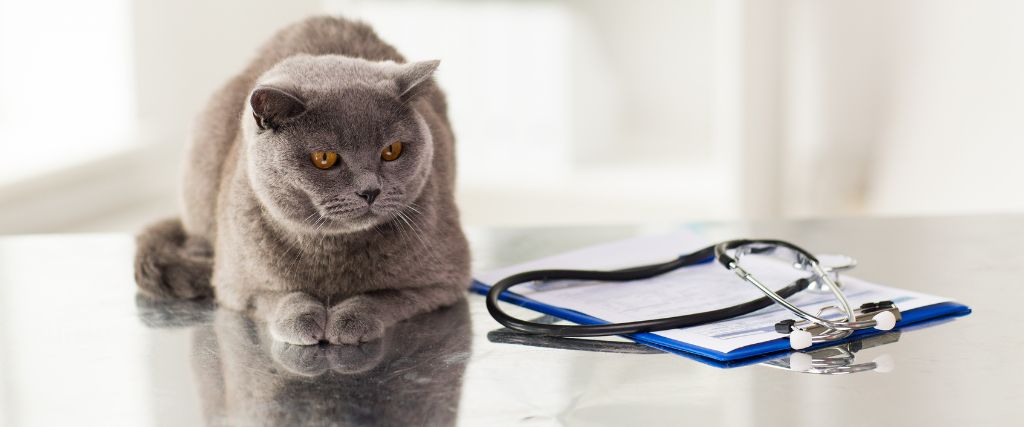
point(350, 323)
point(299, 319)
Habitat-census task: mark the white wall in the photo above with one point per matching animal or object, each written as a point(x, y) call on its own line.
point(60, 98)
point(908, 107)
point(565, 112)
point(954, 135)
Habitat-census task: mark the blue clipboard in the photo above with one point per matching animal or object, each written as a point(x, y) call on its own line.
point(740, 357)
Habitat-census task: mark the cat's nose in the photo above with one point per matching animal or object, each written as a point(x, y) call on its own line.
point(369, 195)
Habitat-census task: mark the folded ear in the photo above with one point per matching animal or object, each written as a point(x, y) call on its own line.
point(272, 107)
point(411, 78)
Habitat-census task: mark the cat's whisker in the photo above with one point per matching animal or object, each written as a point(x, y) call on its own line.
point(419, 234)
point(304, 246)
point(398, 226)
point(417, 208)
point(430, 248)
point(281, 258)
point(295, 245)
point(292, 245)
point(324, 235)
point(376, 228)
point(299, 242)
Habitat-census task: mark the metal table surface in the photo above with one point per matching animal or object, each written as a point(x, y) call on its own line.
point(78, 347)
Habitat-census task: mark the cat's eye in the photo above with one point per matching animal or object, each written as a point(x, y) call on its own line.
point(391, 152)
point(324, 159)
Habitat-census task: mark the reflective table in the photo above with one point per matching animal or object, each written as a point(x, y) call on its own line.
point(79, 347)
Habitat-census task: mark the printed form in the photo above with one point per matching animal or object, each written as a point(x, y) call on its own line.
point(688, 290)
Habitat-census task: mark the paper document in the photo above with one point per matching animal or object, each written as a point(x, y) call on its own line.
point(688, 290)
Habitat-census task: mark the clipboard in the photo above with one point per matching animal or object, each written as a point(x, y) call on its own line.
point(740, 356)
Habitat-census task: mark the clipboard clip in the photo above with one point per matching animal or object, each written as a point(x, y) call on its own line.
point(803, 333)
point(839, 359)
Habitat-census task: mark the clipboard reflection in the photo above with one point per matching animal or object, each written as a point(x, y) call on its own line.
point(838, 359)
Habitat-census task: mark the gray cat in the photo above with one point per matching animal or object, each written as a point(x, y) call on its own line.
point(318, 192)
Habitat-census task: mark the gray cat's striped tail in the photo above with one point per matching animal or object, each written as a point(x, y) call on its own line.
point(170, 264)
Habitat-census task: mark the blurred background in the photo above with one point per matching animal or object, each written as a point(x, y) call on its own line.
point(565, 112)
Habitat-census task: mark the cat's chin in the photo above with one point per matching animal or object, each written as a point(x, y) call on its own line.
point(330, 224)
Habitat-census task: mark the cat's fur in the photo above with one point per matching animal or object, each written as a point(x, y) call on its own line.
point(296, 245)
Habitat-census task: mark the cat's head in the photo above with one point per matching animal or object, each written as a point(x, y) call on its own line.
point(333, 143)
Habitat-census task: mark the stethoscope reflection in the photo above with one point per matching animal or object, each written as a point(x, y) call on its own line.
point(833, 360)
point(839, 359)
point(412, 376)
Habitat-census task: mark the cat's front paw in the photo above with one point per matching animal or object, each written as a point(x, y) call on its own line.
point(350, 323)
point(299, 319)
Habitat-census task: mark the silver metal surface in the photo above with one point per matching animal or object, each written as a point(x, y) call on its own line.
point(78, 348)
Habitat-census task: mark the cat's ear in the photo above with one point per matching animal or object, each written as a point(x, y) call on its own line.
point(272, 107)
point(411, 78)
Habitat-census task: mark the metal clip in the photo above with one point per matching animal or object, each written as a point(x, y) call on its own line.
point(803, 333)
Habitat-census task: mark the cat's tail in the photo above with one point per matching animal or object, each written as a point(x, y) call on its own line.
point(170, 264)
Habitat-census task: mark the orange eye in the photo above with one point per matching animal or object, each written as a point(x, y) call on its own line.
point(391, 152)
point(324, 159)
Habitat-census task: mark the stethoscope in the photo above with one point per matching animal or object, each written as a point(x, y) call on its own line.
point(803, 333)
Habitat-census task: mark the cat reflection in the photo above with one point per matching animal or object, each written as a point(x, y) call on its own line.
point(411, 376)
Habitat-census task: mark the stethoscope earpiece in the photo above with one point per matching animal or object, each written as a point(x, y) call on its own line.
point(800, 339)
point(884, 321)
